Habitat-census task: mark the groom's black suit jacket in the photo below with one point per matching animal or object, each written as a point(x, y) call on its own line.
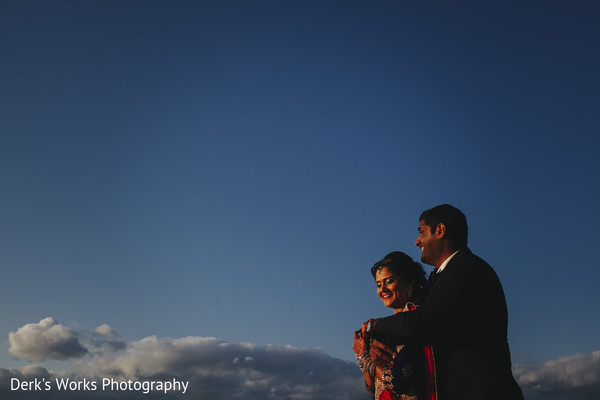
point(466, 318)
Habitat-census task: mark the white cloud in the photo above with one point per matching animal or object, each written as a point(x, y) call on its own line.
point(576, 376)
point(105, 330)
point(215, 369)
point(218, 369)
point(103, 337)
point(44, 340)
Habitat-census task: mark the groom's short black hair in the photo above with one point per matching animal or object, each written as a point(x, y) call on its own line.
point(453, 219)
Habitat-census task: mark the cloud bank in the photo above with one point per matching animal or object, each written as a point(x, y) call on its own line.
point(215, 369)
point(573, 377)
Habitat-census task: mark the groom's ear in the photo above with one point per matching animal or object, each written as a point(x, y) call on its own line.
point(440, 231)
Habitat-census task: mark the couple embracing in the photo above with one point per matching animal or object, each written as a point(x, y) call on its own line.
point(447, 339)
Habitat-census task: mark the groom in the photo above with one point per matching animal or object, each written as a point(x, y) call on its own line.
point(465, 315)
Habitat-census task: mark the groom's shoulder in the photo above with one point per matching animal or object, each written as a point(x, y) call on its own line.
point(465, 259)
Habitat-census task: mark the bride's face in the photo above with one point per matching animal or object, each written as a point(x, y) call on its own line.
point(391, 289)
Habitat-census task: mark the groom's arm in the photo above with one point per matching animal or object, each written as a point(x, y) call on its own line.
point(399, 328)
point(438, 309)
point(387, 332)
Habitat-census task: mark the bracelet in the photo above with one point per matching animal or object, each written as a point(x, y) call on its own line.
point(366, 364)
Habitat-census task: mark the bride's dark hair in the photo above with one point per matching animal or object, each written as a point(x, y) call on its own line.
point(401, 265)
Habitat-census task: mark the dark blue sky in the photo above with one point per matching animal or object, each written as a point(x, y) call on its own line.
point(233, 168)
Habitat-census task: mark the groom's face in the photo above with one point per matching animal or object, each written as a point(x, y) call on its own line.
point(428, 244)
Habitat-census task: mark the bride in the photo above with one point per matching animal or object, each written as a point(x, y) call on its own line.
point(401, 286)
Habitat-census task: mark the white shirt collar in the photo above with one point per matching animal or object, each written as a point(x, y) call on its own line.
point(446, 261)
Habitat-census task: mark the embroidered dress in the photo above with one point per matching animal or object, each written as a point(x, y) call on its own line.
point(384, 387)
point(411, 377)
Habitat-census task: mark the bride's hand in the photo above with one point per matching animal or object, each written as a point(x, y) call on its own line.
point(381, 354)
point(359, 344)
